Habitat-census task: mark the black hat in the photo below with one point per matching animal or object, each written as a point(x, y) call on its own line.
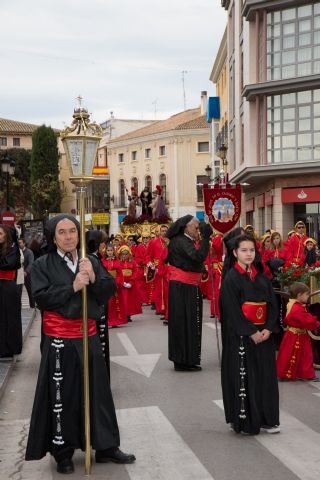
point(50, 229)
point(178, 225)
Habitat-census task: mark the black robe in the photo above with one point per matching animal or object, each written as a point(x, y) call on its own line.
point(10, 307)
point(185, 302)
point(57, 423)
point(257, 395)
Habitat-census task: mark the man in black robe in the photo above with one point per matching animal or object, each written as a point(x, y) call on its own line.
point(185, 300)
point(57, 422)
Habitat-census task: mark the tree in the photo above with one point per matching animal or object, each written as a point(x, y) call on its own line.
point(44, 172)
point(20, 192)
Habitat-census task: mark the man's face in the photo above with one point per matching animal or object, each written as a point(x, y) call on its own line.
point(145, 240)
point(300, 229)
point(192, 229)
point(163, 231)
point(21, 244)
point(66, 236)
point(130, 241)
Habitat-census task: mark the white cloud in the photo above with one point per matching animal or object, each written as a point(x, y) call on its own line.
point(120, 55)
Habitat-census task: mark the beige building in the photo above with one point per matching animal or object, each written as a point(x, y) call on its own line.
point(273, 63)
point(15, 134)
point(173, 153)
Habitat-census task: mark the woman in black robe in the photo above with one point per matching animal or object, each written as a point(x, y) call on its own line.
point(10, 301)
point(248, 371)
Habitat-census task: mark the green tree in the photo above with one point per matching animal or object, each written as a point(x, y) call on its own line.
point(44, 172)
point(20, 192)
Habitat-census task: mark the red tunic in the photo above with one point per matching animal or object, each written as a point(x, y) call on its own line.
point(295, 248)
point(141, 260)
point(217, 265)
point(116, 312)
point(295, 359)
point(131, 297)
point(157, 252)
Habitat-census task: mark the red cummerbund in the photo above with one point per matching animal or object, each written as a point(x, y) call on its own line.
point(55, 325)
point(7, 274)
point(178, 275)
point(256, 312)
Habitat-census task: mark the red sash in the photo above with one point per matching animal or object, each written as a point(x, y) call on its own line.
point(192, 278)
point(55, 325)
point(255, 312)
point(7, 274)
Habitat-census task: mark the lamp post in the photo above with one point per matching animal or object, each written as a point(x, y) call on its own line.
point(223, 155)
point(208, 171)
point(7, 167)
point(80, 142)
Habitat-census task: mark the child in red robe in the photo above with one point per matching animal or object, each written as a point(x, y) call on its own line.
point(295, 359)
point(129, 289)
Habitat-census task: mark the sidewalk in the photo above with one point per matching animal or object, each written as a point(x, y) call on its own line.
point(6, 366)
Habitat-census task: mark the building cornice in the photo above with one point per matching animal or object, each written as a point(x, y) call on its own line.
point(158, 136)
point(277, 87)
point(252, 6)
point(260, 173)
point(220, 59)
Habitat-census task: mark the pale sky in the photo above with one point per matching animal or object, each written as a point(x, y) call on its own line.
point(120, 55)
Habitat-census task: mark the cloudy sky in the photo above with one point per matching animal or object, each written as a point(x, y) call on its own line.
point(125, 56)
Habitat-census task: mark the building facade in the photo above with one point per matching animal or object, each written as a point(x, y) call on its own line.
point(273, 62)
point(172, 153)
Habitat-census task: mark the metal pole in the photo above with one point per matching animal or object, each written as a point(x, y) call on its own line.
point(82, 191)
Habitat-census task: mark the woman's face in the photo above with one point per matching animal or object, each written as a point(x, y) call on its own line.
point(124, 255)
point(267, 243)
point(276, 240)
point(309, 246)
point(245, 253)
point(109, 252)
point(2, 235)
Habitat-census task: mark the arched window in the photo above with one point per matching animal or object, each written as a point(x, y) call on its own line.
point(122, 194)
point(163, 184)
point(148, 182)
point(135, 184)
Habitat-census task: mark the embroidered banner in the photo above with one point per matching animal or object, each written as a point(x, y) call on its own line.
point(222, 206)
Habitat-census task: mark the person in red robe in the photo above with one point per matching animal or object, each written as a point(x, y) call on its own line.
point(264, 252)
point(310, 252)
point(140, 258)
point(116, 312)
point(217, 265)
point(131, 242)
point(296, 244)
point(295, 358)
point(129, 290)
point(277, 248)
point(156, 255)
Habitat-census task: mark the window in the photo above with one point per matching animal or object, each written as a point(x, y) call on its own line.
point(147, 153)
point(3, 141)
point(16, 142)
point(122, 194)
point(203, 147)
point(120, 157)
point(201, 179)
point(293, 127)
point(163, 184)
point(162, 150)
point(291, 38)
point(148, 182)
point(134, 155)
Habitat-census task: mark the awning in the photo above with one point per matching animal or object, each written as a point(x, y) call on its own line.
point(300, 195)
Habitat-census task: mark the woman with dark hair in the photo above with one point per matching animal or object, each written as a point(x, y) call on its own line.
point(248, 317)
point(10, 302)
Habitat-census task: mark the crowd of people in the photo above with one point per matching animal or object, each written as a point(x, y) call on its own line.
point(171, 273)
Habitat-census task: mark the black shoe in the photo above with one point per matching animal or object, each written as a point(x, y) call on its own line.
point(162, 318)
point(65, 466)
point(129, 319)
point(153, 307)
point(179, 367)
point(165, 322)
point(114, 455)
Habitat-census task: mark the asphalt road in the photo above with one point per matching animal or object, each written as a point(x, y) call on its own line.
point(172, 421)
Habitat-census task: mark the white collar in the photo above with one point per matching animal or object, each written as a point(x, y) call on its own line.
point(71, 265)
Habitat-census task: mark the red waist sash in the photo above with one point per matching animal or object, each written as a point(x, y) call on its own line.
point(7, 274)
point(192, 278)
point(256, 312)
point(55, 325)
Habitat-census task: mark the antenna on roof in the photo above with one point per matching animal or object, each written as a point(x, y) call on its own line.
point(184, 90)
point(155, 107)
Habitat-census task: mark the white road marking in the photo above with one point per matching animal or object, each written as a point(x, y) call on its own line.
point(143, 364)
point(162, 453)
point(296, 446)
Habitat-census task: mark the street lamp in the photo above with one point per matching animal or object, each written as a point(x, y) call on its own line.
point(7, 167)
point(208, 171)
point(223, 155)
point(80, 142)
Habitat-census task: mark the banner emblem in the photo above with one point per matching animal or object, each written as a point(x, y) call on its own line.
point(222, 206)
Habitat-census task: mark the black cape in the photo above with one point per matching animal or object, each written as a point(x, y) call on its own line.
point(57, 422)
point(185, 302)
point(260, 389)
point(10, 307)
